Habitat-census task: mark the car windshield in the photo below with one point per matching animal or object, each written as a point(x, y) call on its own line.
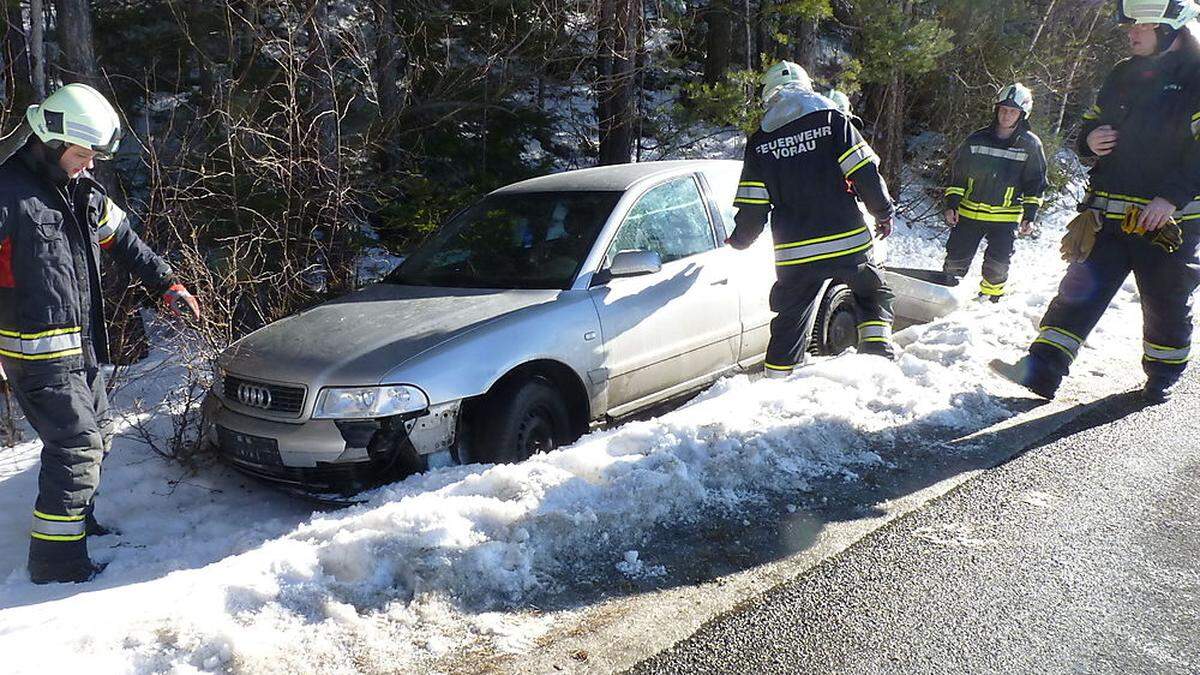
point(513, 240)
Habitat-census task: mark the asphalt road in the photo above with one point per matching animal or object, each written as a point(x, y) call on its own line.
point(1080, 555)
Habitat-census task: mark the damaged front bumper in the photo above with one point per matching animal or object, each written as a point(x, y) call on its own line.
point(332, 456)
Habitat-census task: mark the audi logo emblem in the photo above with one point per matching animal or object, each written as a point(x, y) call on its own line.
point(256, 397)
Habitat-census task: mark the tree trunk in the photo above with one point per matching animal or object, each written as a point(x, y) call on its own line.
point(37, 47)
point(75, 38)
point(618, 43)
point(391, 60)
point(14, 53)
point(891, 127)
point(804, 45)
point(718, 42)
point(748, 24)
point(762, 41)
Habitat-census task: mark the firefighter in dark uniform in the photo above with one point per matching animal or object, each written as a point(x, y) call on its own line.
point(995, 191)
point(54, 220)
point(803, 168)
point(1141, 213)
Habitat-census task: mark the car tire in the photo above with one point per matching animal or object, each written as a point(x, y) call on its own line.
point(836, 327)
point(520, 419)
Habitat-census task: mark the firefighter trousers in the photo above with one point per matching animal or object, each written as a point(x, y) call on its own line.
point(1165, 282)
point(796, 296)
point(964, 241)
point(68, 408)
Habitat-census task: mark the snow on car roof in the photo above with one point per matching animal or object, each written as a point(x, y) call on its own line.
point(619, 177)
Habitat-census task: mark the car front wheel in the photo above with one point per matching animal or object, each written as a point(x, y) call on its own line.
point(522, 419)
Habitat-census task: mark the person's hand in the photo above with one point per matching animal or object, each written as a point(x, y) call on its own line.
point(951, 217)
point(883, 228)
point(178, 300)
point(1156, 214)
point(1103, 139)
point(741, 246)
point(1025, 229)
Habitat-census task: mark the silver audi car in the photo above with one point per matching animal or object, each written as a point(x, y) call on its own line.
point(550, 306)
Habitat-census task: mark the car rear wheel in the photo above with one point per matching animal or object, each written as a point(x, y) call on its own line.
point(522, 419)
point(836, 327)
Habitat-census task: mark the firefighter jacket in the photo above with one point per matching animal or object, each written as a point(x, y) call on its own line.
point(998, 181)
point(51, 233)
point(1154, 104)
point(803, 168)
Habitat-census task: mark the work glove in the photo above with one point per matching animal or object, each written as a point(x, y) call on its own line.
point(180, 302)
point(1081, 237)
point(1169, 237)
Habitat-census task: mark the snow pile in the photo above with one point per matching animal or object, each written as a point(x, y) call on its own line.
point(211, 575)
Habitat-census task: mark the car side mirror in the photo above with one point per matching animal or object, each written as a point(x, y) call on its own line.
point(634, 263)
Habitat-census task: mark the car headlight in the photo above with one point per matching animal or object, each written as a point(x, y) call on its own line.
point(369, 402)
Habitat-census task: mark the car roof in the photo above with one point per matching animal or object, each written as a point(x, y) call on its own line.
point(615, 178)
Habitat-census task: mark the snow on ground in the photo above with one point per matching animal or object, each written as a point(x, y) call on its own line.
point(213, 573)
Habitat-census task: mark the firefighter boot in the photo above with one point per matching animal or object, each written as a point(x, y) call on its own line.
point(1158, 388)
point(1030, 372)
point(54, 562)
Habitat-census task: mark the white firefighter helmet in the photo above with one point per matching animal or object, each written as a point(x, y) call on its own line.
point(1016, 95)
point(1171, 13)
point(841, 100)
point(79, 115)
point(780, 75)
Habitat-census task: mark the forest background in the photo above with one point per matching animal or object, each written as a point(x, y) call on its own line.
point(272, 143)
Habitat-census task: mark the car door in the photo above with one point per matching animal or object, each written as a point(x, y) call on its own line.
point(751, 272)
point(670, 330)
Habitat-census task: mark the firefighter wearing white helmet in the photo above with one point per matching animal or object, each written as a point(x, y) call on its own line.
point(1142, 210)
point(995, 190)
point(77, 115)
point(842, 101)
point(54, 221)
point(802, 169)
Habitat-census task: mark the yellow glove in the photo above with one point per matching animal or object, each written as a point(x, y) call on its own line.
point(1130, 224)
point(1169, 237)
point(1081, 237)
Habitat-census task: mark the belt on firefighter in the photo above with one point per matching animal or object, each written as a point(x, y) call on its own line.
point(823, 248)
point(50, 344)
point(1114, 206)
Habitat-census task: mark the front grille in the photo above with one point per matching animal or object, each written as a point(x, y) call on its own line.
point(280, 399)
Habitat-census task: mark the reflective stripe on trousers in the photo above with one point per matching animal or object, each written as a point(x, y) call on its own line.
point(823, 248)
point(988, 288)
point(1064, 340)
point(1164, 354)
point(874, 331)
point(775, 372)
point(48, 527)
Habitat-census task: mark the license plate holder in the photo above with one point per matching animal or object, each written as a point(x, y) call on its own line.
point(249, 448)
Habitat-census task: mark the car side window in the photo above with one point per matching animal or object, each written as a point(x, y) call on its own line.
point(670, 220)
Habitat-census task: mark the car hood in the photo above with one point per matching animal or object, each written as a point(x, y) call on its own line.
point(357, 338)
